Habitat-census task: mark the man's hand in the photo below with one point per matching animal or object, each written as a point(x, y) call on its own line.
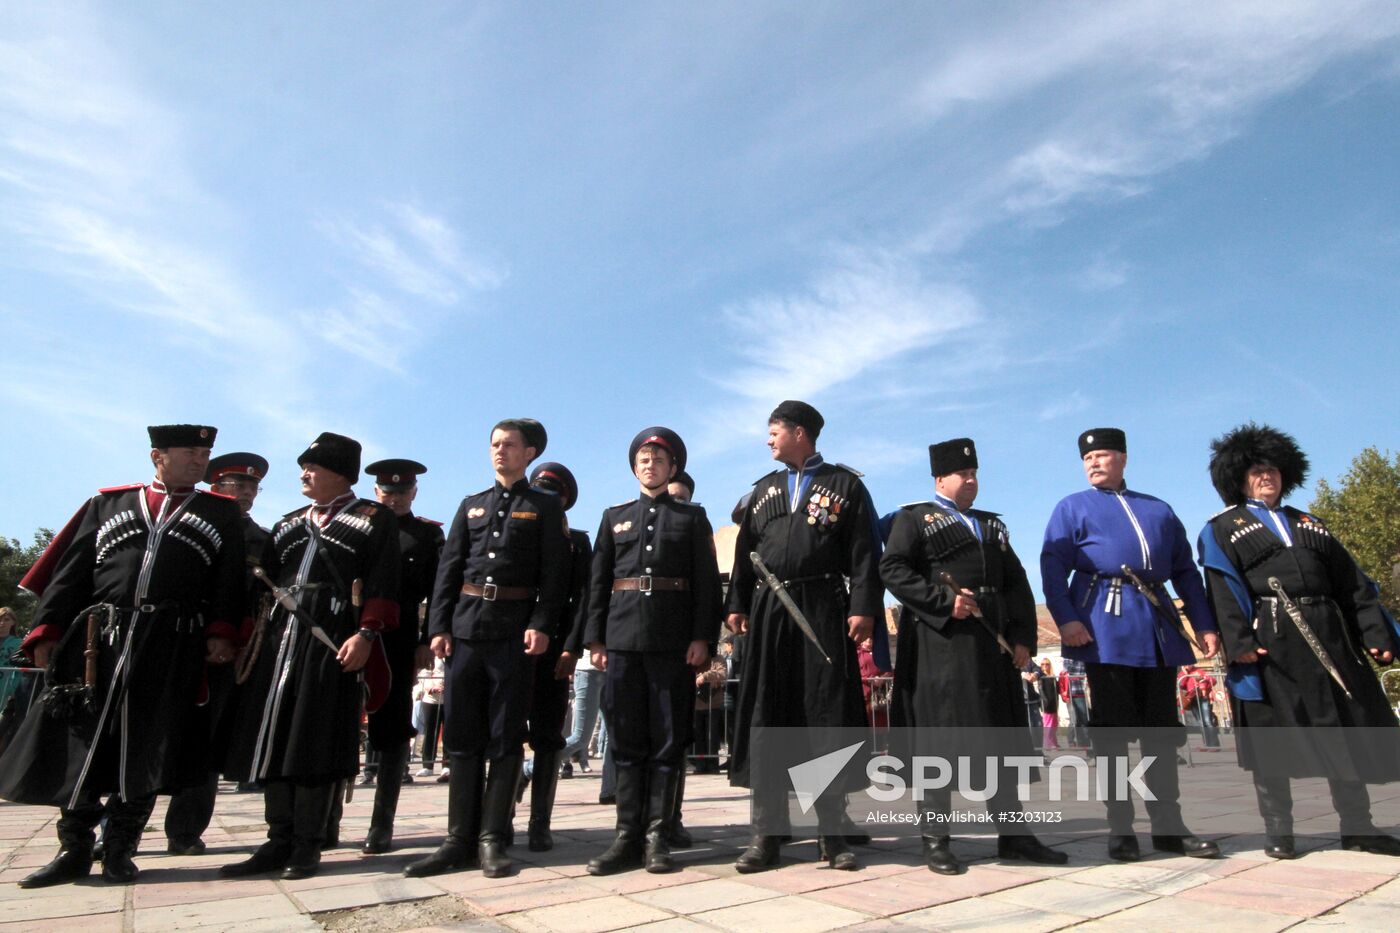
point(354, 654)
point(738, 623)
point(536, 642)
point(422, 660)
point(1249, 657)
point(564, 667)
point(42, 652)
point(1382, 656)
point(441, 646)
point(1020, 656)
point(964, 604)
point(1211, 642)
point(860, 627)
point(698, 654)
point(218, 650)
point(599, 655)
point(1075, 634)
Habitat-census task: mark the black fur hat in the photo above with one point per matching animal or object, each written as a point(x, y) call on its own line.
point(1233, 453)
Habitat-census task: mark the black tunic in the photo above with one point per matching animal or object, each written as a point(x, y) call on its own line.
point(1339, 606)
point(186, 572)
point(827, 539)
point(300, 713)
point(420, 542)
point(951, 672)
point(663, 538)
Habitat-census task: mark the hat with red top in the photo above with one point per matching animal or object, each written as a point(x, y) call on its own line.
point(240, 463)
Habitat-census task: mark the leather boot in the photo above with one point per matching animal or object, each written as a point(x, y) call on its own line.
point(271, 855)
point(330, 837)
point(386, 800)
point(661, 802)
point(74, 858)
point(1359, 834)
point(458, 850)
point(495, 816)
point(543, 783)
point(939, 857)
point(1276, 807)
point(831, 844)
point(627, 849)
point(126, 821)
point(313, 805)
point(1029, 848)
point(676, 834)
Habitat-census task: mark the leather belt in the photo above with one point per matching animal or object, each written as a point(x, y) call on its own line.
point(798, 581)
point(1303, 600)
point(649, 584)
point(493, 593)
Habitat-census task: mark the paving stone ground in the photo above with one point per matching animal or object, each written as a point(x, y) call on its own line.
point(1327, 889)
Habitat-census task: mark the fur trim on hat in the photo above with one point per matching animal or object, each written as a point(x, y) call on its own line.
point(1233, 453)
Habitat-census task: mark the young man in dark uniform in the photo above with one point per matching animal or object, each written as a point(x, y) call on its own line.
point(148, 581)
point(554, 670)
point(653, 613)
point(236, 475)
point(954, 682)
point(501, 583)
point(336, 566)
point(391, 726)
point(813, 524)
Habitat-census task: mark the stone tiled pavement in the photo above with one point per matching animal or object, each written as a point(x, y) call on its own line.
point(1328, 888)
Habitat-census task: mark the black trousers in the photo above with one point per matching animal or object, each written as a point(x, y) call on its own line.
point(648, 697)
point(432, 724)
point(486, 697)
point(1139, 704)
point(549, 705)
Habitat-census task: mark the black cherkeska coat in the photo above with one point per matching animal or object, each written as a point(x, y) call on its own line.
point(816, 546)
point(951, 672)
point(188, 573)
point(420, 542)
point(1341, 609)
point(299, 716)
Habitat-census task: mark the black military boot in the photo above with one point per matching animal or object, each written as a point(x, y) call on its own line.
point(272, 855)
point(939, 857)
point(330, 836)
point(495, 816)
point(1359, 834)
point(677, 836)
point(126, 822)
point(627, 847)
point(661, 801)
point(386, 800)
point(543, 783)
point(1029, 848)
point(313, 805)
point(761, 855)
point(1276, 807)
point(459, 849)
point(831, 844)
point(74, 858)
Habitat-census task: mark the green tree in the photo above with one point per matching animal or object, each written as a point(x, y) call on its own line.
point(15, 561)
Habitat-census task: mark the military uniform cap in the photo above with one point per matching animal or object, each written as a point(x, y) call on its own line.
point(240, 463)
point(334, 452)
point(1103, 439)
point(662, 437)
point(395, 474)
point(558, 478)
point(181, 435)
point(799, 413)
point(950, 456)
point(534, 433)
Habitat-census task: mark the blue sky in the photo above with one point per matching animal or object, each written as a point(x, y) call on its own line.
point(404, 222)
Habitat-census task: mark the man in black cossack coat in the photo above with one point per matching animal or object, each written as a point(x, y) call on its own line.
point(653, 615)
point(335, 565)
point(501, 583)
point(142, 588)
point(957, 692)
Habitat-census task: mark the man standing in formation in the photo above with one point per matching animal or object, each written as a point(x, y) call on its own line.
point(653, 610)
point(813, 525)
point(335, 569)
point(391, 729)
point(970, 629)
point(1116, 616)
point(501, 584)
point(549, 700)
point(142, 587)
point(236, 475)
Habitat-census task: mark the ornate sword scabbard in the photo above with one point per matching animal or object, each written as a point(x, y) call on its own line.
point(1290, 609)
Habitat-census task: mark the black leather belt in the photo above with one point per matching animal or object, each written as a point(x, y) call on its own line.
point(648, 584)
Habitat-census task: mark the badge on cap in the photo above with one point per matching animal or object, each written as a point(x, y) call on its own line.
point(203, 432)
point(967, 451)
point(1089, 438)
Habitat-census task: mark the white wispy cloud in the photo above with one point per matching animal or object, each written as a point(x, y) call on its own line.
point(1058, 408)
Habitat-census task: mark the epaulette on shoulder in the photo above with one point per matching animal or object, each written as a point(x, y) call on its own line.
point(368, 507)
point(689, 504)
point(301, 510)
point(621, 504)
point(111, 489)
point(1227, 509)
point(1307, 518)
point(980, 513)
point(848, 469)
point(428, 521)
point(915, 505)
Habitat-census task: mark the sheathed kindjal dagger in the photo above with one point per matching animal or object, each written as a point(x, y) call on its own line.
point(789, 604)
point(949, 579)
point(288, 602)
point(1291, 609)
